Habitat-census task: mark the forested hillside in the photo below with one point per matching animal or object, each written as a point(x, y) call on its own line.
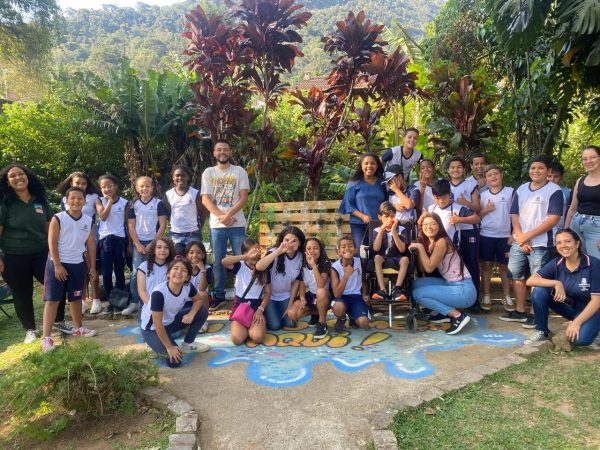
point(150, 36)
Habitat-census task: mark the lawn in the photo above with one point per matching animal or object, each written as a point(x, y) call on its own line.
point(552, 401)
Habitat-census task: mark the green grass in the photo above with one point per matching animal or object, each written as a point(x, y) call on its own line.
point(552, 401)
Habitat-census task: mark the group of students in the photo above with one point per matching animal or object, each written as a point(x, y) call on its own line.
point(478, 219)
point(463, 224)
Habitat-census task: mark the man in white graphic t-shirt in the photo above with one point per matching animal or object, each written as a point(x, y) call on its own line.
point(224, 192)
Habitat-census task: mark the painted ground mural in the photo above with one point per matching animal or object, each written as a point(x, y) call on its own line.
point(287, 357)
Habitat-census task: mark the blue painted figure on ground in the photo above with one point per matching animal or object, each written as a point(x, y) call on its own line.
point(570, 286)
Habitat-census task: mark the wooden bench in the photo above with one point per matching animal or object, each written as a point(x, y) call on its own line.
point(315, 218)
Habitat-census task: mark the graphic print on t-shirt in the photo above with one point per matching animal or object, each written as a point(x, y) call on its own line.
point(223, 189)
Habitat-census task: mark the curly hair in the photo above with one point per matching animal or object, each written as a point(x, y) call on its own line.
point(152, 247)
point(35, 186)
point(323, 263)
point(359, 174)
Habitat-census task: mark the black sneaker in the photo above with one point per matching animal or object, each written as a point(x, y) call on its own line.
point(314, 319)
point(379, 296)
point(514, 316)
point(322, 330)
point(107, 310)
point(530, 322)
point(339, 325)
point(399, 294)
point(63, 327)
point(439, 318)
point(458, 323)
point(217, 304)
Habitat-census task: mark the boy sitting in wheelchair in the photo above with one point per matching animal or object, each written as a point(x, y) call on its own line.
point(389, 247)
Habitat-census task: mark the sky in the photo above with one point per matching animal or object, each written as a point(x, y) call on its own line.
point(77, 4)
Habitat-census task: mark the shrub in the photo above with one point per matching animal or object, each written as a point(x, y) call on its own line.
point(77, 376)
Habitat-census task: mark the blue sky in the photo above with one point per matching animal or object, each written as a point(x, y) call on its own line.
point(77, 4)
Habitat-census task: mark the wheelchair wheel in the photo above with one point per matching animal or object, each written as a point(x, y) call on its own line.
point(411, 322)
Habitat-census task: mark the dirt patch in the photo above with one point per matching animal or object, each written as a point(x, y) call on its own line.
point(509, 391)
point(564, 406)
point(147, 426)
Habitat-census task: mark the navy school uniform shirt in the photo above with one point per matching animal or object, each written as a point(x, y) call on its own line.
point(364, 197)
point(580, 284)
point(388, 246)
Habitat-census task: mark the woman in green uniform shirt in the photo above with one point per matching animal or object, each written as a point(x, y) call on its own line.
point(24, 217)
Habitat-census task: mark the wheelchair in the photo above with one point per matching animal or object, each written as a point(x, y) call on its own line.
point(390, 273)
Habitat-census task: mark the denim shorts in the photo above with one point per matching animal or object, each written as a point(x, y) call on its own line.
point(521, 265)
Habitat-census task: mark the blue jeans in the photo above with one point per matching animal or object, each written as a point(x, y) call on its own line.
point(151, 336)
point(218, 242)
point(588, 229)
point(136, 259)
point(181, 240)
point(443, 296)
point(541, 299)
point(359, 234)
point(521, 265)
point(113, 251)
point(276, 316)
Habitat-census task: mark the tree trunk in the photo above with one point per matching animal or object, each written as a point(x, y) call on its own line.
point(553, 133)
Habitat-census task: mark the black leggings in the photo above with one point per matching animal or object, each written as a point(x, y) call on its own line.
point(19, 271)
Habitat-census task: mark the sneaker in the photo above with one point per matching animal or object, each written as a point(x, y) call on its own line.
point(514, 316)
point(379, 296)
point(322, 330)
point(352, 323)
point(439, 318)
point(458, 323)
point(339, 325)
point(107, 310)
point(84, 332)
point(63, 327)
point(48, 344)
point(204, 328)
point(314, 319)
point(96, 306)
point(30, 336)
point(486, 303)
point(529, 322)
point(508, 303)
point(131, 309)
point(538, 336)
point(84, 307)
point(197, 347)
point(595, 345)
point(217, 304)
point(399, 294)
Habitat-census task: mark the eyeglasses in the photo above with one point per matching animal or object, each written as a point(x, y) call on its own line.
point(589, 159)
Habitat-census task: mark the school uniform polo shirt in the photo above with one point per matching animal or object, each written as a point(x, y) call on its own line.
point(580, 284)
point(24, 225)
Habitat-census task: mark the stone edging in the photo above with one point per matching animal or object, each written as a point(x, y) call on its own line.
point(385, 439)
point(187, 423)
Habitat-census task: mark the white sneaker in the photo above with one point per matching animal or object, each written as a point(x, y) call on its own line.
point(84, 307)
point(197, 347)
point(538, 336)
point(132, 308)
point(486, 303)
point(30, 336)
point(96, 306)
point(595, 345)
point(508, 303)
point(204, 328)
